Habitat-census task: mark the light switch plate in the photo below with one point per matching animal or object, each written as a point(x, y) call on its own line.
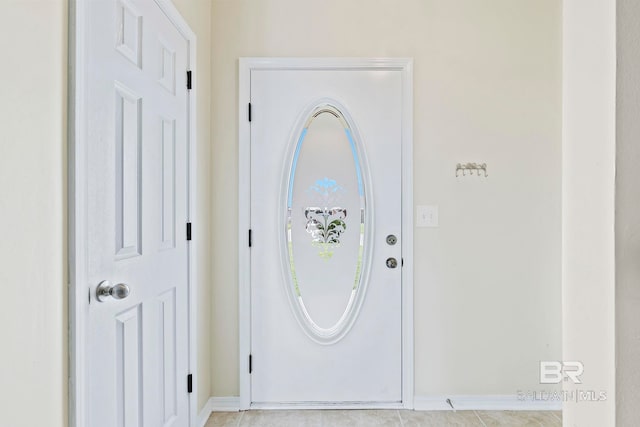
point(426, 216)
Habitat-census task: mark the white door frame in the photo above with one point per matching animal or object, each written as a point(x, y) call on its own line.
point(405, 65)
point(77, 199)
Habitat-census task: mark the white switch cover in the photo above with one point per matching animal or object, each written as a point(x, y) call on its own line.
point(427, 216)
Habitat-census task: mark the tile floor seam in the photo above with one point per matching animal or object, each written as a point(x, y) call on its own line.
point(400, 417)
point(240, 418)
point(553, 414)
point(479, 418)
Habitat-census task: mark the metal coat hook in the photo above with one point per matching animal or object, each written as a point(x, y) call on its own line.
point(477, 167)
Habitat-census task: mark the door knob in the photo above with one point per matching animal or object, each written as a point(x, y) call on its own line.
point(392, 263)
point(105, 290)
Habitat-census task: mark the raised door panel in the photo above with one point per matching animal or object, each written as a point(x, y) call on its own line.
point(128, 161)
point(168, 367)
point(129, 368)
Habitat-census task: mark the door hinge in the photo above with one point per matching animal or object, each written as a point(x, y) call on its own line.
point(189, 80)
point(250, 238)
point(188, 231)
point(250, 363)
point(190, 383)
point(249, 111)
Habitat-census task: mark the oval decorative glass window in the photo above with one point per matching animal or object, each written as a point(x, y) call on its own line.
point(326, 223)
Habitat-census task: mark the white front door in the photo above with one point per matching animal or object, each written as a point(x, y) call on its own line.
point(137, 188)
point(326, 234)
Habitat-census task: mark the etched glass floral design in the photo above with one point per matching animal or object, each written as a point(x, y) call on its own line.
point(325, 228)
point(324, 223)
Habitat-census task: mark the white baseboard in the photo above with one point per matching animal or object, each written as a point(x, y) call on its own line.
point(503, 402)
point(204, 414)
point(218, 404)
point(225, 404)
point(336, 405)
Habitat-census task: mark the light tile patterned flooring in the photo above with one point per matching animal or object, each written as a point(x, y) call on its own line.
point(384, 418)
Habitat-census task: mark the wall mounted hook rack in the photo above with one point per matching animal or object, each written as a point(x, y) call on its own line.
point(471, 167)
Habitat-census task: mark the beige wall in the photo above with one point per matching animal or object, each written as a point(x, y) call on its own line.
point(487, 88)
point(33, 360)
point(627, 214)
point(33, 215)
point(588, 173)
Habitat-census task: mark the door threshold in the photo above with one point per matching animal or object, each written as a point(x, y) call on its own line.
point(326, 405)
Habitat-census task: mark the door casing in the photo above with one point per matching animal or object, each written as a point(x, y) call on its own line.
point(77, 222)
point(246, 65)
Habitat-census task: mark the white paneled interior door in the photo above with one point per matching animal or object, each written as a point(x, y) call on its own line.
point(326, 236)
point(137, 207)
